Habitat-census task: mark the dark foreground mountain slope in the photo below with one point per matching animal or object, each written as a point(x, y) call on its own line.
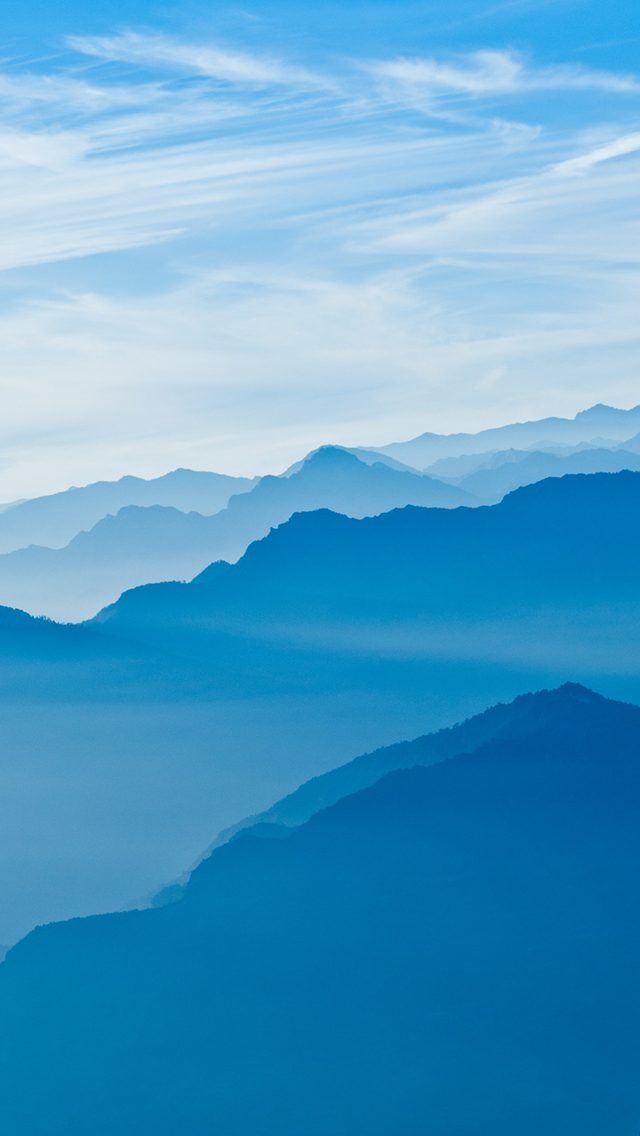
point(527, 715)
point(55, 519)
point(450, 951)
point(155, 543)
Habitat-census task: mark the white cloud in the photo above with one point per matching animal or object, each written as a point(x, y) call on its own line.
point(52, 150)
point(55, 205)
point(628, 144)
point(497, 73)
point(336, 267)
point(212, 61)
point(247, 374)
point(546, 222)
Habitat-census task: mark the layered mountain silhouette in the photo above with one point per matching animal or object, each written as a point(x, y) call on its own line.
point(604, 422)
point(525, 716)
point(454, 470)
point(169, 528)
point(54, 520)
point(119, 760)
point(156, 543)
point(330, 637)
point(412, 581)
point(492, 484)
point(450, 950)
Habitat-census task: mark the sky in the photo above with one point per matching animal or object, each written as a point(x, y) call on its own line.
point(231, 233)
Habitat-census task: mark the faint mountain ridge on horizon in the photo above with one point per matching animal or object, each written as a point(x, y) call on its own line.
point(521, 468)
point(454, 470)
point(53, 520)
point(427, 448)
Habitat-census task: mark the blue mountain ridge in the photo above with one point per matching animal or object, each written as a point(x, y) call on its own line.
point(452, 949)
point(329, 638)
point(569, 544)
point(527, 714)
point(54, 520)
point(157, 543)
point(491, 485)
point(598, 421)
point(455, 469)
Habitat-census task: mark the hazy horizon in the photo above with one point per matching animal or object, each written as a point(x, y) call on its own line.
point(236, 233)
point(300, 453)
point(319, 546)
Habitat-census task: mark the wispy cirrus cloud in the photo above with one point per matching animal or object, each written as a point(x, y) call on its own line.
point(542, 224)
point(287, 258)
point(486, 73)
point(203, 59)
point(618, 148)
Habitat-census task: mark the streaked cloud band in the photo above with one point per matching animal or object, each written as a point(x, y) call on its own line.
point(289, 255)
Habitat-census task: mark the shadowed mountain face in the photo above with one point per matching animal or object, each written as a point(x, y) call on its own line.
point(451, 950)
point(54, 520)
point(141, 545)
point(598, 421)
point(524, 717)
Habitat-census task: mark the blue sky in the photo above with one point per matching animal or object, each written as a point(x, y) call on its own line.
point(231, 233)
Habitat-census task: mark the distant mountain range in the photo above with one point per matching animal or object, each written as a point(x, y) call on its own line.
point(54, 520)
point(141, 545)
point(69, 554)
point(455, 469)
point(412, 581)
point(452, 949)
point(438, 936)
point(606, 423)
point(511, 469)
point(183, 707)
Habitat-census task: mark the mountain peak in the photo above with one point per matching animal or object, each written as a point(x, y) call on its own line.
point(602, 410)
point(331, 455)
point(567, 692)
point(579, 693)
